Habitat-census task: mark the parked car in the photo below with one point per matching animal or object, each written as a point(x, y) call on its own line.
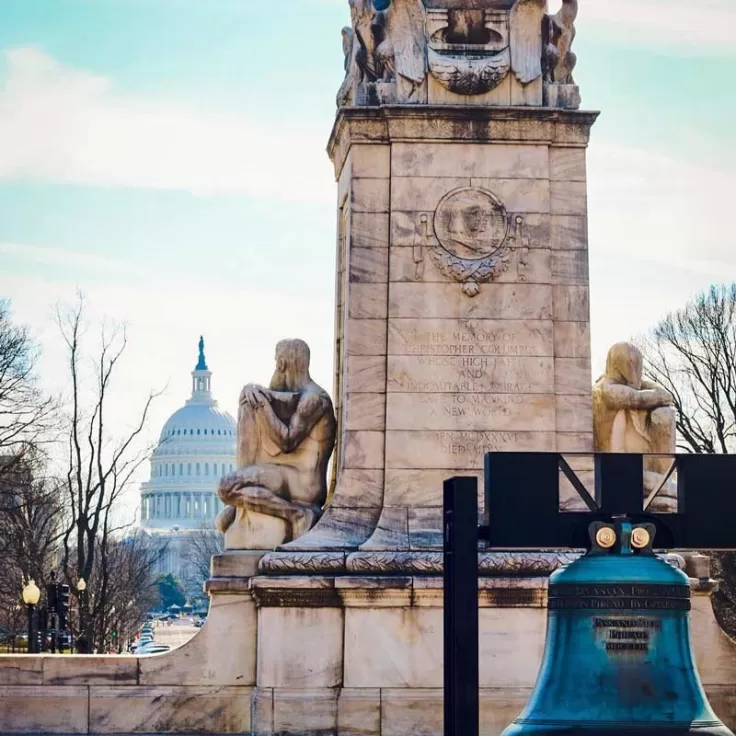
point(141, 642)
point(152, 647)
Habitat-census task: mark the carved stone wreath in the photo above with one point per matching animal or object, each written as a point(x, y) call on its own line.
point(471, 226)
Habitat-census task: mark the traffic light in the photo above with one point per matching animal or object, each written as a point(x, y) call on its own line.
point(62, 605)
point(51, 596)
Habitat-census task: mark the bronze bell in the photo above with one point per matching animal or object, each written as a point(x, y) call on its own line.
point(618, 656)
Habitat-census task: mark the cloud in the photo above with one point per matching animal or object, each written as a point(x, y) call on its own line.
point(85, 262)
point(58, 123)
point(706, 25)
point(645, 204)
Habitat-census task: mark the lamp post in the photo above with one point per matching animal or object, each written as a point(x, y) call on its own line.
point(82, 641)
point(31, 596)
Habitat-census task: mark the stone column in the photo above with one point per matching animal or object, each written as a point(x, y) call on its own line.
point(462, 309)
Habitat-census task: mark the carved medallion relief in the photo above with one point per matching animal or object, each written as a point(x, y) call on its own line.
point(474, 241)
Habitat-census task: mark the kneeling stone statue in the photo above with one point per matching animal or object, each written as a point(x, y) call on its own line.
point(632, 414)
point(286, 435)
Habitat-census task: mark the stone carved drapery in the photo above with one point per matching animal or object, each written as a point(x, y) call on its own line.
point(386, 44)
point(402, 53)
point(526, 40)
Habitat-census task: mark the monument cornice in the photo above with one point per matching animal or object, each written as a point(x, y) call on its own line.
point(390, 591)
point(452, 123)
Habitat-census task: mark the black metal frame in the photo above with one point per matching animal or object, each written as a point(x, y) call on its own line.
point(522, 500)
point(522, 511)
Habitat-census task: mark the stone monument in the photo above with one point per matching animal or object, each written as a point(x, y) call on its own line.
point(461, 326)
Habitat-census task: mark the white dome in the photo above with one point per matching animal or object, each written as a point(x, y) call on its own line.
point(198, 420)
point(196, 448)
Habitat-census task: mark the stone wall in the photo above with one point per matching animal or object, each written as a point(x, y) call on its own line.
point(206, 686)
point(369, 664)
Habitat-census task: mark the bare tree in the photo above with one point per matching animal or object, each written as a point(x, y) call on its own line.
point(130, 594)
point(29, 508)
point(199, 548)
point(692, 353)
point(31, 523)
point(25, 414)
point(99, 469)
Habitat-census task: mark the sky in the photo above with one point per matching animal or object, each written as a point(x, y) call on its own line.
point(167, 158)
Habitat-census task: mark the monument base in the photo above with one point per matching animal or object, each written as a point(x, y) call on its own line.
point(364, 654)
point(339, 655)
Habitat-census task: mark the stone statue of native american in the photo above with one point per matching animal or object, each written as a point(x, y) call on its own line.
point(632, 414)
point(286, 435)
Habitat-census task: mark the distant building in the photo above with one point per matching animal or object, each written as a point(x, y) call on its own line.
point(196, 448)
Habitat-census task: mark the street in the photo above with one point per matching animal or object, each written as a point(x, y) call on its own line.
point(175, 633)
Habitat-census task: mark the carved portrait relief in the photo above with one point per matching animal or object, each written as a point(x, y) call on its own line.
point(471, 223)
point(472, 243)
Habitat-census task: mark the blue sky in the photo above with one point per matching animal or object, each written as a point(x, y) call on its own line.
point(167, 157)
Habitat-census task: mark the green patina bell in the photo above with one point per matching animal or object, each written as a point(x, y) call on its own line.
point(618, 656)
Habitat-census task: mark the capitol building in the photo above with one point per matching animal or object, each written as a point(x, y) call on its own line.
point(195, 449)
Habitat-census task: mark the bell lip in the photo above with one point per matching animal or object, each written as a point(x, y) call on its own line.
point(522, 727)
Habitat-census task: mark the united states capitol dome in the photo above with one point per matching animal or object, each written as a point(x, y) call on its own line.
point(195, 449)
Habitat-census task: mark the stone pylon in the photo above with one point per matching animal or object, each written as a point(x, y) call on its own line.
point(461, 327)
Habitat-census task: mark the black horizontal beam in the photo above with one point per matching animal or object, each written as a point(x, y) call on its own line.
point(522, 493)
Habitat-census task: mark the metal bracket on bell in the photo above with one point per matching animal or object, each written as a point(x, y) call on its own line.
point(621, 537)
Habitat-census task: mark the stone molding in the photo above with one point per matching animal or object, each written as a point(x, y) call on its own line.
point(399, 123)
point(391, 562)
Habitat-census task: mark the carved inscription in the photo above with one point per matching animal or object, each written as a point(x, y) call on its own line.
point(470, 374)
point(501, 412)
point(489, 338)
point(459, 450)
point(466, 374)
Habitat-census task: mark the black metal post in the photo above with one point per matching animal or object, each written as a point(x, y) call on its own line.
point(460, 571)
point(32, 643)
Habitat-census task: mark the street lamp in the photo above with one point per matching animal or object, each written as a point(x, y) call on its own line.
point(31, 596)
point(82, 640)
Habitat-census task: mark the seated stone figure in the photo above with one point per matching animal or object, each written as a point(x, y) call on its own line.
point(286, 434)
point(631, 414)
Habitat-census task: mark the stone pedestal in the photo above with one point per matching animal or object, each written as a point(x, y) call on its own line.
point(356, 655)
point(255, 530)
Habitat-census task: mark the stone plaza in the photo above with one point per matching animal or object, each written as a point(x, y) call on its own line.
point(462, 326)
